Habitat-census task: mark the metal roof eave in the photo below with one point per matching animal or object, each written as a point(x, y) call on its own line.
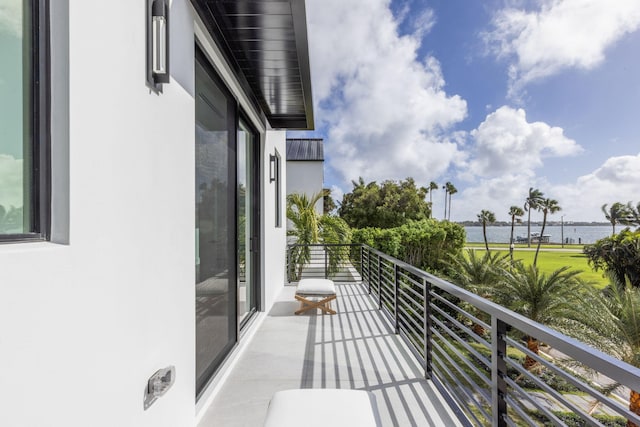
point(266, 45)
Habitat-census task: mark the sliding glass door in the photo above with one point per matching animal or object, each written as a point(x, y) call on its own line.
point(227, 225)
point(247, 233)
point(216, 330)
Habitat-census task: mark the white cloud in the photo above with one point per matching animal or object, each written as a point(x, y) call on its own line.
point(560, 34)
point(10, 181)
point(617, 180)
point(506, 143)
point(423, 22)
point(336, 193)
point(507, 151)
point(496, 194)
point(386, 110)
point(11, 17)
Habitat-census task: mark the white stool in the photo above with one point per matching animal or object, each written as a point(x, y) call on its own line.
point(324, 289)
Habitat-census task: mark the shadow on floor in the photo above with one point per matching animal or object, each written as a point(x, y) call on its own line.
point(357, 349)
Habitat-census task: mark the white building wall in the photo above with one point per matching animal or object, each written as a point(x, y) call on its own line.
point(306, 177)
point(275, 240)
point(87, 318)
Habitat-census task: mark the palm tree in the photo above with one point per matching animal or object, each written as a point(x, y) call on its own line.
point(613, 326)
point(514, 211)
point(479, 275)
point(309, 227)
point(302, 213)
point(618, 213)
point(432, 186)
point(531, 202)
point(335, 231)
point(486, 217)
point(552, 300)
point(451, 189)
point(446, 192)
point(547, 206)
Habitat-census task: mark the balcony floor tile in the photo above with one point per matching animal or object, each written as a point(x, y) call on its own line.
point(354, 349)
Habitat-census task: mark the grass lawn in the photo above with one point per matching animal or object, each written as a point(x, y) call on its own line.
point(549, 261)
point(524, 245)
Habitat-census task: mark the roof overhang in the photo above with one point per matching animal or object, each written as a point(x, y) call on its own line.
point(266, 44)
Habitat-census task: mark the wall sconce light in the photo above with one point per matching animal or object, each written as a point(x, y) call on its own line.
point(157, 44)
point(272, 167)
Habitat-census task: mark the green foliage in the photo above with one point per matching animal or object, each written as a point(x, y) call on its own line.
point(387, 205)
point(532, 203)
point(450, 190)
point(547, 376)
point(618, 213)
point(547, 206)
point(426, 244)
point(574, 420)
point(486, 217)
point(387, 240)
point(619, 255)
point(311, 228)
point(551, 299)
point(334, 230)
point(302, 213)
point(476, 272)
point(328, 204)
point(514, 211)
point(613, 324)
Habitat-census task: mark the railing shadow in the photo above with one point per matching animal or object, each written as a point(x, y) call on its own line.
point(357, 349)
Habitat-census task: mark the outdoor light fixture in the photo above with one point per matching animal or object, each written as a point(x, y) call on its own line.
point(157, 43)
point(273, 167)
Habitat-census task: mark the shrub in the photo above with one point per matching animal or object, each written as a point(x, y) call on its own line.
point(425, 244)
point(618, 255)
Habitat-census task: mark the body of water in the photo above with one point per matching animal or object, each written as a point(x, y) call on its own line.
point(575, 233)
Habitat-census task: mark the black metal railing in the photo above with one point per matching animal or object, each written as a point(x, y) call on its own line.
point(333, 261)
point(473, 349)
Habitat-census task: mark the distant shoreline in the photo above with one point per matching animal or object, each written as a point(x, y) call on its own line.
point(536, 224)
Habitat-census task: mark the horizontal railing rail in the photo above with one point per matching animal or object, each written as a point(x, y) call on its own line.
point(322, 261)
point(472, 347)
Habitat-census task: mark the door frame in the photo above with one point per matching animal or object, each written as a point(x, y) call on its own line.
point(236, 114)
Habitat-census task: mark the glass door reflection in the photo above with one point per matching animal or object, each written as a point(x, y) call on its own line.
point(247, 240)
point(216, 327)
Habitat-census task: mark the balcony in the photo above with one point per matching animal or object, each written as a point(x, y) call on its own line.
point(408, 337)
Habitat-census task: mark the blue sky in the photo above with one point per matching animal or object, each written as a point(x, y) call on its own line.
point(495, 96)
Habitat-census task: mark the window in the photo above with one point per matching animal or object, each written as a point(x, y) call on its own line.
point(274, 176)
point(24, 191)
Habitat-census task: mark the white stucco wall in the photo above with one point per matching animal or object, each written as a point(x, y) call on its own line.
point(87, 318)
point(306, 177)
point(275, 241)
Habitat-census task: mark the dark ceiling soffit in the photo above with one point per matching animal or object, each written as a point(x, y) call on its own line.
point(302, 43)
point(217, 35)
point(298, 121)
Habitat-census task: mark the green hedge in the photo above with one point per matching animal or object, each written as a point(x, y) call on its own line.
point(425, 244)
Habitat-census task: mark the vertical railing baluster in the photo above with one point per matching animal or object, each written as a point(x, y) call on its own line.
point(498, 372)
point(426, 292)
point(379, 282)
point(396, 295)
point(369, 268)
point(288, 264)
point(326, 272)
